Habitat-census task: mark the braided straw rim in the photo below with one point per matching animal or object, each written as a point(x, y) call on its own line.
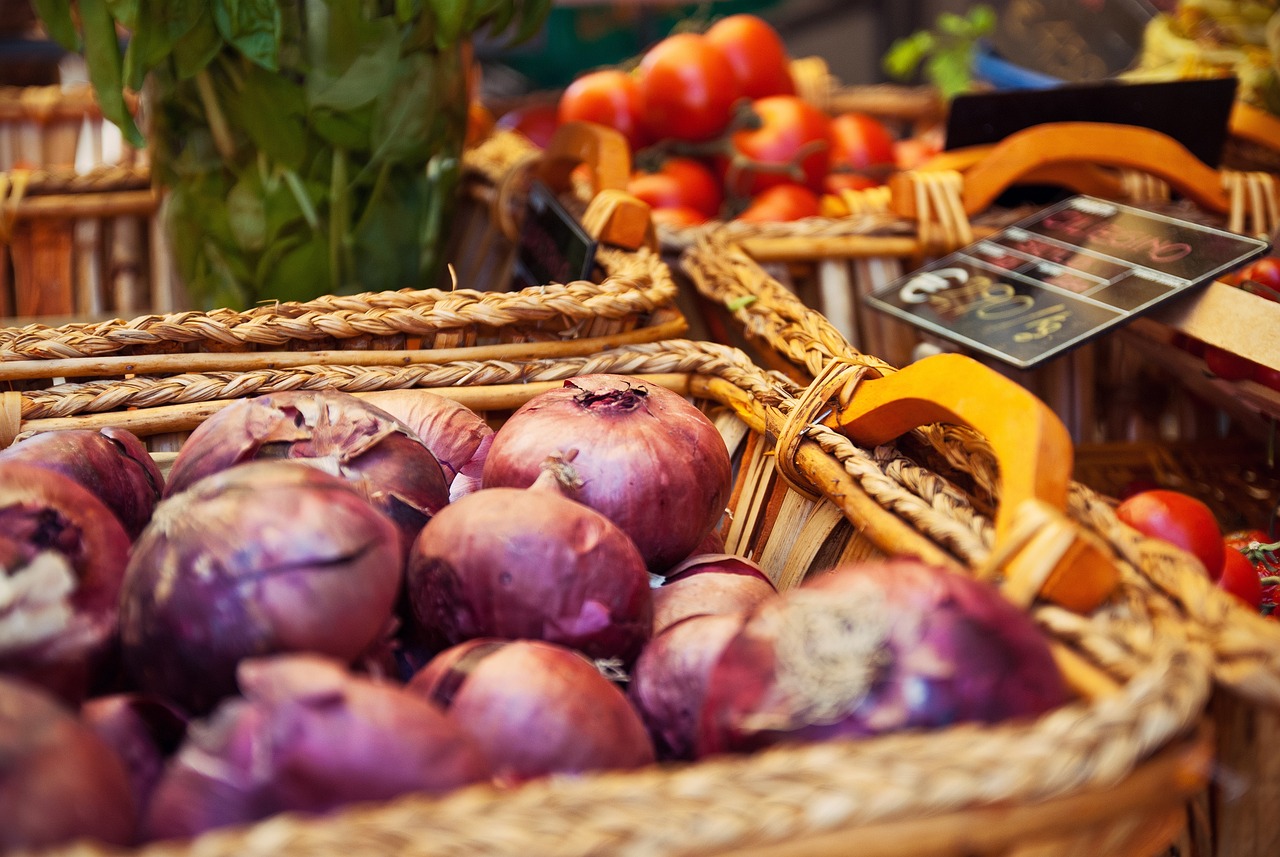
point(789, 792)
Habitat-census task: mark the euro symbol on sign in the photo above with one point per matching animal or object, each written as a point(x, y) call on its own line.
point(919, 287)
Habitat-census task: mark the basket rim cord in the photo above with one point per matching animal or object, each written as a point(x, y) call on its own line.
point(829, 391)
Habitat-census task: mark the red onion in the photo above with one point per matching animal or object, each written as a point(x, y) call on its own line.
point(308, 736)
point(112, 463)
point(535, 708)
point(648, 459)
point(458, 437)
point(58, 781)
point(872, 648)
point(142, 731)
point(265, 557)
point(532, 564)
point(670, 679)
point(333, 431)
point(62, 559)
point(712, 583)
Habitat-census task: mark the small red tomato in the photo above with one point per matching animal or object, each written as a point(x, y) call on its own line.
point(1228, 365)
point(860, 141)
point(780, 203)
point(537, 122)
point(608, 97)
point(687, 88)
point(1179, 519)
point(679, 182)
point(1264, 272)
point(1240, 578)
point(677, 216)
point(757, 54)
point(791, 131)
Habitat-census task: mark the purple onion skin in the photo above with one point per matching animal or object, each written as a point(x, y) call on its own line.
point(711, 583)
point(56, 535)
point(650, 461)
point(535, 708)
point(521, 563)
point(334, 431)
point(458, 437)
point(58, 781)
point(669, 681)
point(308, 736)
point(112, 463)
point(902, 646)
point(143, 731)
point(266, 557)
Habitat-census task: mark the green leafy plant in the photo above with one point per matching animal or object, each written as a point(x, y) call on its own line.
point(944, 55)
point(307, 146)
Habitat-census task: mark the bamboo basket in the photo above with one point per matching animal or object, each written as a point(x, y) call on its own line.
point(1233, 818)
point(1107, 774)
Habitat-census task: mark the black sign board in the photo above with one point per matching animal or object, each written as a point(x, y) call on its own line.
point(553, 247)
point(1054, 281)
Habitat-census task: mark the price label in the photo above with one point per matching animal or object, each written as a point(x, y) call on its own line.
point(1058, 279)
point(552, 247)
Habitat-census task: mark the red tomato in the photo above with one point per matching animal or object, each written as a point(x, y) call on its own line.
point(1265, 272)
point(757, 54)
point(687, 88)
point(860, 141)
point(838, 181)
point(679, 182)
point(911, 152)
point(1240, 540)
point(1267, 376)
point(782, 202)
point(678, 216)
point(791, 131)
point(1240, 578)
point(608, 97)
point(1179, 519)
point(1226, 365)
point(537, 122)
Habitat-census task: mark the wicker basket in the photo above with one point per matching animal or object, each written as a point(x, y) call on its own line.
point(1106, 774)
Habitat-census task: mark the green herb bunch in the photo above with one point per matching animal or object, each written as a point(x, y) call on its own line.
point(944, 55)
point(306, 146)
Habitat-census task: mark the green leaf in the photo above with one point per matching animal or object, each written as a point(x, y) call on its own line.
point(247, 213)
point(102, 56)
point(346, 130)
point(253, 26)
point(357, 67)
point(406, 11)
point(301, 273)
point(125, 12)
point(950, 72)
point(269, 108)
point(404, 112)
point(197, 48)
point(160, 23)
point(982, 19)
point(952, 24)
point(905, 55)
point(56, 15)
point(451, 20)
point(533, 15)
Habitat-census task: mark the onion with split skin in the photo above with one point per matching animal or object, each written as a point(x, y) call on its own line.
point(457, 436)
point(529, 563)
point(876, 647)
point(329, 430)
point(535, 708)
point(271, 556)
point(647, 458)
point(709, 584)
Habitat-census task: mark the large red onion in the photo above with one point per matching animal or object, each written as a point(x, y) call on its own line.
point(648, 459)
point(308, 736)
point(711, 583)
point(530, 564)
point(58, 781)
point(265, 557)
point(112, 463)
point(872, 648)
point(62, 560)
point(670, 678)
point(143, 731)
point(457, 436)
point(535, 708)
point(330, 430)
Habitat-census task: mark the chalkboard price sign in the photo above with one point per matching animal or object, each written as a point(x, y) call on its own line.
point(552, 246)
point(1060, 278)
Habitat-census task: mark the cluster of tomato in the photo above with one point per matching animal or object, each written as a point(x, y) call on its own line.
point(1243, 562)
point(1261, 278)
point(719, 131)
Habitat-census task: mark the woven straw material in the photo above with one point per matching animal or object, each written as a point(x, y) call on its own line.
point(789, 794)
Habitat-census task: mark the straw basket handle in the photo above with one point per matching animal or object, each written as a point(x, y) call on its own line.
point(1055, 146)
point(1039, 552)
point(613, 216)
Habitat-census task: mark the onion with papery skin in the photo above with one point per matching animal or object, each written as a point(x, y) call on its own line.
point(62, 560)
point(872, 648)
point(58, 781)
point(712, 583)
point(535, 708)
point(457, 436)
point(670, 678)
point(308, 736)
point(112, 463)
point(143, 731)
point(519, 563)
point(330, 430)
point(266, 557)
point(649, 460)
